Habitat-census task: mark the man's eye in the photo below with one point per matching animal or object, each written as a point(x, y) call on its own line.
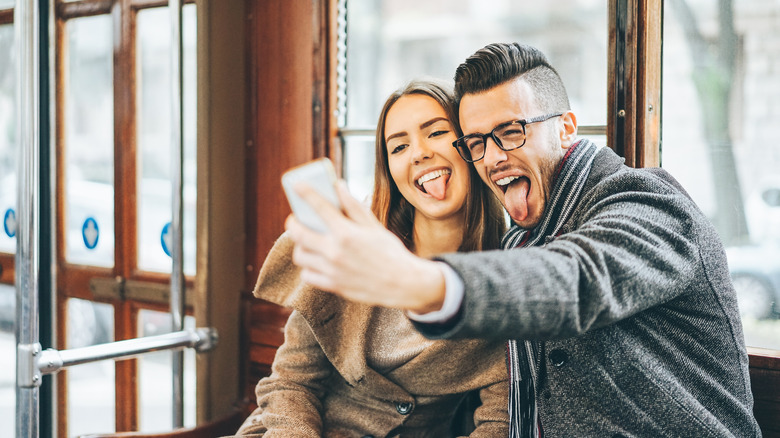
point(512, 132)
point(475, 143)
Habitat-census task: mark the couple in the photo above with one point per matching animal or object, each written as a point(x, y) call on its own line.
point(613, 290)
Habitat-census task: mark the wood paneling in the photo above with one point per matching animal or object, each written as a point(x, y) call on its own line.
point(765, 382)
point(290, 57)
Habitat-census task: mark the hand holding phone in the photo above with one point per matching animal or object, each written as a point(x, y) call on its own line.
point(321, 176)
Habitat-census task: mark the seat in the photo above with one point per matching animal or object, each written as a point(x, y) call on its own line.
point(225, 426)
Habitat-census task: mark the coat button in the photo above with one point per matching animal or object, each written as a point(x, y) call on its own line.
point(558, 357)
point(403, 408)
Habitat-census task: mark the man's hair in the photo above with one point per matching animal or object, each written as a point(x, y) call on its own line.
point(498, 63)
point(485, 222)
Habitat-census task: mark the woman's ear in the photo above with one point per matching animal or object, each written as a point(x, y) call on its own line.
point(568, 129)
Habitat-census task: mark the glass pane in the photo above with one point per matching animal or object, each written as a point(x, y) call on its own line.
point(721, 108)
point(154, 139)
point(155, 376)
point(7, 360)
point(7, 4)
point(91, 388)
point(89, 137)
point(8, 143)
point(390, 42)
point(358, 166)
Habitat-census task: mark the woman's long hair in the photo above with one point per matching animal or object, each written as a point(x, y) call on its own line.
point(485, 221)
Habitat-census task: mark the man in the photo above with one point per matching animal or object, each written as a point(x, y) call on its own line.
point(614, 283)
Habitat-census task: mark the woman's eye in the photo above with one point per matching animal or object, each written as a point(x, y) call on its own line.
point(439, 132)
point(398, 148)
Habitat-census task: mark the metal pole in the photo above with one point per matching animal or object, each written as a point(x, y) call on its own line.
point(26, 24)
point(177, 182)
point(51, 361)
point(32, 363)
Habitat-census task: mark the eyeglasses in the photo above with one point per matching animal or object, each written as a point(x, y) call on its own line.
point(508, 136)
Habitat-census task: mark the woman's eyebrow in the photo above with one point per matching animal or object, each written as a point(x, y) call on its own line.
point(432, 121)
point(397, 134)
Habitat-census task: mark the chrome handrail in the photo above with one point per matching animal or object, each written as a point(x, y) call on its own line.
point(33, 363)
point(26, 28)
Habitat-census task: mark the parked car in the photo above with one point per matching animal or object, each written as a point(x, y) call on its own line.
point(755, 272)
point(762, 209)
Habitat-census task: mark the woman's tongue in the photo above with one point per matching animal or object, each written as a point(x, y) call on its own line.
point(516, 199)
point(437, 187)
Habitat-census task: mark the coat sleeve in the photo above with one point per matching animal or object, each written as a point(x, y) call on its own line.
point(635, 244)
point(491, 418)
point(290, 399)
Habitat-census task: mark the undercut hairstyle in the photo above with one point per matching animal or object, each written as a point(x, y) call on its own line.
point(496, 64)
point(485, 223)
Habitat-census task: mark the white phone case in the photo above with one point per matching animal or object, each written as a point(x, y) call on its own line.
point(321, 176)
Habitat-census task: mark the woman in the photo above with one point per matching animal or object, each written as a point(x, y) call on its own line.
point(347, 369)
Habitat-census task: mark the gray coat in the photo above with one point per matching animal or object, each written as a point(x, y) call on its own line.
point(635, 309)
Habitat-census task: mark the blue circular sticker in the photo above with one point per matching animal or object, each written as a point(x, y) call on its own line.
point(9, 222)
point(165, 239)
point(90, 232)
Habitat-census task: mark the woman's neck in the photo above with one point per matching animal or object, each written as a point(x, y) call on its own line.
point(437, 236)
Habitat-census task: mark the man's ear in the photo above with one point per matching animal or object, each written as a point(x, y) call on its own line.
point(568, 129)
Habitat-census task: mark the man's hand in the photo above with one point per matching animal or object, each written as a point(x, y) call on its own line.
point(360, 260)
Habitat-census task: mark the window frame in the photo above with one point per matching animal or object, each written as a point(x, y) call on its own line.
point(77, 281)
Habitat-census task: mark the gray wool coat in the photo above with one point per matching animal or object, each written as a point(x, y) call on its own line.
point(634, 310)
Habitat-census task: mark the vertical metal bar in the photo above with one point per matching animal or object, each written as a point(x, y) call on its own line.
point(177, 184)
point(26, 37)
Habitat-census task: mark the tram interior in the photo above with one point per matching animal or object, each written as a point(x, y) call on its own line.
point(251, 88)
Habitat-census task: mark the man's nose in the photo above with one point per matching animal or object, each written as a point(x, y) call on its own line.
point(493, 153)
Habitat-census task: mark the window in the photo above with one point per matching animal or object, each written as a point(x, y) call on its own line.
point(389, 43)
point(113, 158)
point(8, 154)
point(721, 105)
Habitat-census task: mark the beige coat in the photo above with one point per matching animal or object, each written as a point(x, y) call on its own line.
point(321, 384)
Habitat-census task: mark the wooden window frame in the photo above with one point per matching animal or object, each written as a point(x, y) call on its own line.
point(77, 281)
point(7, 262)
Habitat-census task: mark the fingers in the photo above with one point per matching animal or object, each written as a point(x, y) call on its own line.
point(353, 208)
point(331, 215)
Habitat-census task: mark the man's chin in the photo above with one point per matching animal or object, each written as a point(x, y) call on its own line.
point(527, 223)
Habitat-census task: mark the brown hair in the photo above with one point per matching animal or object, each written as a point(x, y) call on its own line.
point(484, 214)
point(498, 63)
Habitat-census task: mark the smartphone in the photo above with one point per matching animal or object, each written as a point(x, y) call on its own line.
point(321, 176)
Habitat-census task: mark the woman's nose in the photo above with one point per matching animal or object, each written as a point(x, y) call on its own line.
point(421, 151)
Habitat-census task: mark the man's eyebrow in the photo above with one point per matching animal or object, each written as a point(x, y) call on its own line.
point(432, 121)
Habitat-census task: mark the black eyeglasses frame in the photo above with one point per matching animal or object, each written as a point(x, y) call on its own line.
point(460, 143)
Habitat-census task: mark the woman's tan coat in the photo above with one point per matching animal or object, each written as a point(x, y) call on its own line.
point(321, 384)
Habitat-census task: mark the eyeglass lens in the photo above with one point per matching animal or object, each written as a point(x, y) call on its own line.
point(507, 137)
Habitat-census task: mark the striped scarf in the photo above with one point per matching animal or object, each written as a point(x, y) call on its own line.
point(524, 359)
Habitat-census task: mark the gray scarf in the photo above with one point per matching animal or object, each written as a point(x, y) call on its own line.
point(523, 362)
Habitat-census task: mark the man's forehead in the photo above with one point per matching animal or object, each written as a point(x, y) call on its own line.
point(508, 101)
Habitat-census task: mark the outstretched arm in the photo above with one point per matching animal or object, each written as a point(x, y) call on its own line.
point(360, 260)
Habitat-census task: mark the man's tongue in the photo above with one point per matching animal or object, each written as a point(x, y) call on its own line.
point(516, 199)
point(437, 187)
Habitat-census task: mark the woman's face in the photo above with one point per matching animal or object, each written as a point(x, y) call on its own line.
point(423, 164)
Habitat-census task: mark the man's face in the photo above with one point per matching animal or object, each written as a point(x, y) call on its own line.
point(521, 178)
